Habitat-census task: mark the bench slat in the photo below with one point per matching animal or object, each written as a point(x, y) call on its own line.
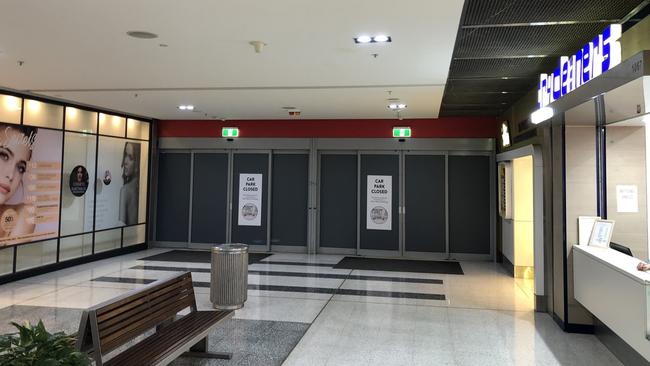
point(143, 309)
point(159, 346)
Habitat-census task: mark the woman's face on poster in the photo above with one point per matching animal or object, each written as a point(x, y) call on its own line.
point(129, 160)
point(80, 174)
point(13, 163)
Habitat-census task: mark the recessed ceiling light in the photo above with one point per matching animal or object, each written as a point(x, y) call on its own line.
point(142, 34)
point(381, 38)
point(163, 45)
point(396, 106)
point(186, 107)
point(363, 39)
point(504, 92)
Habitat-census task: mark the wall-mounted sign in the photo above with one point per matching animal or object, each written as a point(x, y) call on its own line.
point(230, 132)
point(79, 181)
point(505, 190)
point(250, 200)
point(627, 199)
point(505, 135)
point(379, 202)
point(401, 131)
point(595, 58)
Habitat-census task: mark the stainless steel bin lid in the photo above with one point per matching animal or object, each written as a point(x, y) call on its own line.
point(230, 248)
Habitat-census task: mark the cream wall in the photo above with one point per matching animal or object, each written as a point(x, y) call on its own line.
point(522, 192)
point(626, 166)
point(580, 176)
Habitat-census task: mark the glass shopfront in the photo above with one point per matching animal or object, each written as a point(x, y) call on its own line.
point(73, 183)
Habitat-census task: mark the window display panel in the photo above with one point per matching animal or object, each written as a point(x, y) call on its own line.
point(108, 240)
point(112, 125)
point(626, 185)
point(6, 260)
point(78, 190)
point(30, 181)
point(144, 180)
point(36, 254)
point(120, 168)
point(134, 235)
point(42, 114)
point(10, 108)
point(75, 246)
point(80, 120)
point(137, 129)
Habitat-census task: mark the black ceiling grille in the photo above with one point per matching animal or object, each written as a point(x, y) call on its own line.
point(497, 49)
point(528, 11)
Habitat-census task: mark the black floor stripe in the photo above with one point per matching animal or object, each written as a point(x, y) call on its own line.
point(317, 290)
point(302, 274)
point(305, 264)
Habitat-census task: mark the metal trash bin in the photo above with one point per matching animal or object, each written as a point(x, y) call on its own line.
point(229, 276)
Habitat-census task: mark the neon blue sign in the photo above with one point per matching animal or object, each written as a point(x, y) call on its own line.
point(595, 58)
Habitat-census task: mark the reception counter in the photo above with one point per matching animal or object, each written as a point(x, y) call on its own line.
point(607, 283)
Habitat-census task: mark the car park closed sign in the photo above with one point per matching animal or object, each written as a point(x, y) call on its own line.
point(379, 202)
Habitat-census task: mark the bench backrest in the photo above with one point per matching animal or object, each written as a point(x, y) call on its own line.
point(111, 324)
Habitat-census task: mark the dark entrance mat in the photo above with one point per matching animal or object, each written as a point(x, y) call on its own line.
point(400, 265)
point(196, 256)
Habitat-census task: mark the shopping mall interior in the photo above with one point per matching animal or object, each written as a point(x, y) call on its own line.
point(325, 183)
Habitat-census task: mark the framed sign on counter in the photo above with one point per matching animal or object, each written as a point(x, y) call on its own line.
point(601, 234)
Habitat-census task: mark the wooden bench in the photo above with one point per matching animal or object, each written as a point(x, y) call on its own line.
point(112, 325)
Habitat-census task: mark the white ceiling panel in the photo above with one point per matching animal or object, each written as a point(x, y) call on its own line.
point(79, 49)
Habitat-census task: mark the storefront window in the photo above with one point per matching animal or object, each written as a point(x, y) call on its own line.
point(112, 125)
point(75, 246)
point(6, 260)
point(78, 190)
point(42, 114)
point(122, 177)
point(137, 129)
point(80, 120)
point(36, 255)
point(10, 108)
point(134, 235)
point(108, 240)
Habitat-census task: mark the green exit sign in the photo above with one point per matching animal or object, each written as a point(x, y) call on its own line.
point(401, 131)
point(230, 132)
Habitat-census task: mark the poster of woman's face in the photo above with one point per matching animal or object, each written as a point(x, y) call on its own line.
point(118, 202)
point(30, 171)
point(79, 181)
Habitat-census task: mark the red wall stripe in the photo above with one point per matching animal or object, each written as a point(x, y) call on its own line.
point(467, 127)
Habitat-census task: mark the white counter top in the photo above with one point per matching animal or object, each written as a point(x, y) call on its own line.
point(617, 260)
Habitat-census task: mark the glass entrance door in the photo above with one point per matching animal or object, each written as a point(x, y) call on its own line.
point(289, 196)
point(209, 199)
point(425, 205)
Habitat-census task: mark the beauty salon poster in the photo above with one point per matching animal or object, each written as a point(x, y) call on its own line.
point(30, 183)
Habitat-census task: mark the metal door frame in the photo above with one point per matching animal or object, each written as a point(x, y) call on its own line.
point(426, 255)
point(269, 153)
point(400, 245)
point(317, 231)
point(288, 248)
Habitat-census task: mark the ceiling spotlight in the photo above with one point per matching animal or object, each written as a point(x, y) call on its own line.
point(381, 38)
point(186, 107)
point(363, 39)
point(376, 39)
point(396, 106)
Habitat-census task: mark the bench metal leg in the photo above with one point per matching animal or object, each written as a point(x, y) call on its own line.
point(200, 350)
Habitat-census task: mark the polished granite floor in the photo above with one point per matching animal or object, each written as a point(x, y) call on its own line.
point(302, 311)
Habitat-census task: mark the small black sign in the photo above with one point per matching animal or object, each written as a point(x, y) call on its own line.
point(79, 180)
